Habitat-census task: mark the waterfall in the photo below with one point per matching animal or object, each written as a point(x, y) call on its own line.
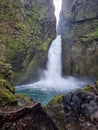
point(58, 5)
point(52, 83)
point(52, 79)
point(54, 66)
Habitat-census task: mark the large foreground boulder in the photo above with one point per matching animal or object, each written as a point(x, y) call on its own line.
point(76, 110)
point(81, 111)
point(81, 103)
point(26, 115)
point(19, 112)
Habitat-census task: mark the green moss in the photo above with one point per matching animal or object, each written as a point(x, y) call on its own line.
point(7, 85)
point(91, 37)
point(96, 83)
point(56, 112)
point(23, 98)
point(56, 100)
point(94, 34)
point(24, 32)
point(5, 71)
point(90, 88)
point(6, 97)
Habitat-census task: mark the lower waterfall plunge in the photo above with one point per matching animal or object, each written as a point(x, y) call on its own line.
point(54, 66)
point(52, 83)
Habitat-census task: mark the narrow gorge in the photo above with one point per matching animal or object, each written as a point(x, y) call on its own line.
point(51, 81)
point(49, 64)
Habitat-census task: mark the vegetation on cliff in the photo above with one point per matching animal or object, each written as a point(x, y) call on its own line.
point(7, 90)
point(26, 30)
point(79, 29)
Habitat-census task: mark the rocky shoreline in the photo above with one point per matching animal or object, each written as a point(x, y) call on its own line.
point(28, 117)
point(77, 110)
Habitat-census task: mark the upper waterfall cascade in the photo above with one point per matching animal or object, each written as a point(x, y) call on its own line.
point(54, 67)
point(58, 5)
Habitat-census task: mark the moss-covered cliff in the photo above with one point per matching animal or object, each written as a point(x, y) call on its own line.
point(27, 28)
point(7, 90)
point(79, 28)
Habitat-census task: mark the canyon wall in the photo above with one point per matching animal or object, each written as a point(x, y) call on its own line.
point(27, 28)
point(79, 28)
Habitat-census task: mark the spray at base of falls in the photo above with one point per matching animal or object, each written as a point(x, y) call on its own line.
point(53, 75)
point(52, 79)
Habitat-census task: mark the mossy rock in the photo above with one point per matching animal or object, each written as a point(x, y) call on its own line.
point(55, 111)
point(29, 34)
point(6, 97)
point(92, 88)
point(5, 71)
point(7, 85)
point(23, 99)
point(96, 83)
point(56, 100)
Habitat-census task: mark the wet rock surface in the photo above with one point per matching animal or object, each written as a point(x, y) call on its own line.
point(28, 116)
point(27, 29)
point(81, 103)
point(79, 29)
point(76, 110)
point(17, 111)
point(81, 110)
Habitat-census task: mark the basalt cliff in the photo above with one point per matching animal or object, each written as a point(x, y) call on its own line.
point(79, 29)
point(27, 28)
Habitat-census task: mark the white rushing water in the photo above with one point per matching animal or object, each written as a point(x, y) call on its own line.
point(58, 5)
point(54, 66)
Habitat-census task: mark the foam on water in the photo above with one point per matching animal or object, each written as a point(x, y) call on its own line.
point(60, 85)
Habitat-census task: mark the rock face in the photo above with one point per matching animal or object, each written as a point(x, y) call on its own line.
point(7, 90)
point(27, 28)
point(17, 111)
point(81, 111)
point(55, 111)
point(79, 29)
point(30, 117)
point(76, 110)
